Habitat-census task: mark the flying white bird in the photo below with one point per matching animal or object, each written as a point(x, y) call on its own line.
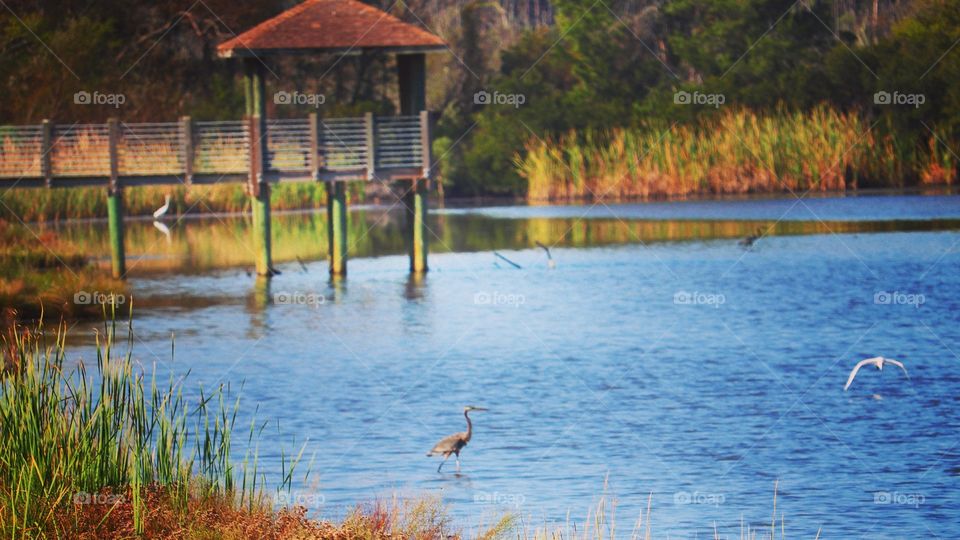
point(163, 209)
point(878, 361)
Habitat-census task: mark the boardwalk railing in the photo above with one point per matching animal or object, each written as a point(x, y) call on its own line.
point(302, 149)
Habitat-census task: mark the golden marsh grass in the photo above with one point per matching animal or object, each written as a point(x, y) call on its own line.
point(737, 152)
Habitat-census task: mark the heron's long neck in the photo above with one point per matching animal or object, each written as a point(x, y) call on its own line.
point(469, 425)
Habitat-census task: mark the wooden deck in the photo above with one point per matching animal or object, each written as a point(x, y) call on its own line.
point(310, 149)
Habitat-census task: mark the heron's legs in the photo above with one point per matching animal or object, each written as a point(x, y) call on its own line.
point(458, 463)
point(442, 462)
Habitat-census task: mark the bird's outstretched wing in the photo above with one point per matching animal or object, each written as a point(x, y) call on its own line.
point(856, 369)
point(898, 364)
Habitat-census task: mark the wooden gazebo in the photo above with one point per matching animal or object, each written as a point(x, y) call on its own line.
point(341, 150)
point(256, 150)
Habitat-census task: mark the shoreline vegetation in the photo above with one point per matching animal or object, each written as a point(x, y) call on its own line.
point(736, 152)
point(42, 274)
point(109, 451)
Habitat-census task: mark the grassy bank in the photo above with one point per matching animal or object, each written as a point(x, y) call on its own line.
point(76, 441)
point(106, 451)
point(737, 151)
point(40, 272)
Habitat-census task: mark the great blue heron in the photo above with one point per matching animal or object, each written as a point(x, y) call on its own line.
point(878, 361)
point(160, 212)
point(748, 241)
point(454, 443)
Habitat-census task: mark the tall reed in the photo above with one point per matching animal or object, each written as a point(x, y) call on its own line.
point(110, 435)
point(738, 151)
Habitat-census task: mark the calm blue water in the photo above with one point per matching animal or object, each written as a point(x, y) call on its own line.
point(854, 207)
point(698, 372)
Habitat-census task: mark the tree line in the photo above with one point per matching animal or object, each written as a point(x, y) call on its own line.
point(519, 70)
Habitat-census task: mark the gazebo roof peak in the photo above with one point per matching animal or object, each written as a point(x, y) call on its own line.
point(330, 26)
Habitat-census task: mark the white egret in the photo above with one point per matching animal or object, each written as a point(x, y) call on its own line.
point(160, 212)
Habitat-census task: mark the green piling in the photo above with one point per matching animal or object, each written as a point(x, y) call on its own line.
point(412, 80)
point(417, 226)
point(115, 202)
point(258, 189)
point(337, 227)
point(261, 230)
point(115, 221)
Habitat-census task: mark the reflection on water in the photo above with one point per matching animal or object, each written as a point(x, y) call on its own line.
point(202, 244)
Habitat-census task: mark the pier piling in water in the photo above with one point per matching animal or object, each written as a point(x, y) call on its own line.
point(118, 261)
point(412, 79)
point(257, 188)
point(417, 226)
point(115, 219)
point(337, 227)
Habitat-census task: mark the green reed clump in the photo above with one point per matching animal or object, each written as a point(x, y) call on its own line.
point(70, 433)
point(738, 151)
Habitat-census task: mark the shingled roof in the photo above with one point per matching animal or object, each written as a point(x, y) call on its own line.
point(331, 26)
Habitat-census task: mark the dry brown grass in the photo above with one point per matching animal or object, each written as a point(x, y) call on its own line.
point(220, 518)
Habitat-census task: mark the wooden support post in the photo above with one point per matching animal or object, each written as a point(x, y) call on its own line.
point(257, 187)
point(115, 204)
point(261, 231)
point(315, 134)
point(371, 146)
point(426, 141)
point(187, 148)
point(412, 79)
point(417, 226)
point(337, 227)
point(115, 222)
point(46, 149)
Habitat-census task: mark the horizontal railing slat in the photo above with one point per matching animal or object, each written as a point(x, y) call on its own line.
point(217, 147)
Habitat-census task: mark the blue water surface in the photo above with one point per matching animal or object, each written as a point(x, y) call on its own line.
point(698, 373)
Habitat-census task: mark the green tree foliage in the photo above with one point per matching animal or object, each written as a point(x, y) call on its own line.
point(608, 64)
point(598, 64)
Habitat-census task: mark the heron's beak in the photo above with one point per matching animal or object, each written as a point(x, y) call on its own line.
point(479, 409)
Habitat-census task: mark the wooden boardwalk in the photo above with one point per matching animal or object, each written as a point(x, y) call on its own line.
point(256, 151)
point(308, 149)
